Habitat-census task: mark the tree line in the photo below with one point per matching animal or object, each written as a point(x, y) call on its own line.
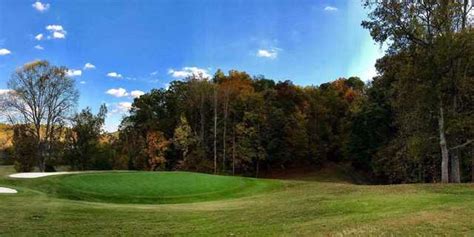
point(412, 123)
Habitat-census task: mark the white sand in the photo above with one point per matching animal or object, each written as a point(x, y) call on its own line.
point(7, 190)
point(33, 175)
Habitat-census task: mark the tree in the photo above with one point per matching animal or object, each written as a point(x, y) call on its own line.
point(84, 137)
point(156, 146)
point(423, 30)
point(215, 129)
point(43, 97)
point(229, 88)
point(250, 145)
point(183, 138)
point(372, 126)
point(24, 152)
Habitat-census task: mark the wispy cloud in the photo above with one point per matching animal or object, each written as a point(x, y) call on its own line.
point(83, 82)
point(114, 75)
point(121, 92)
point(56, 31)
point(55, 28)
point(5, 91)
point(59, 35)
point(88, 66)
point(5, 52)
point(121, 108)
point(39, 6)
point(117, 92)
point(189, 72)
point(267, 53)
point(39, 47)
point(330, 9)
point(39, 37)
point(125, 105)
point(74, 72)
point(136, 93)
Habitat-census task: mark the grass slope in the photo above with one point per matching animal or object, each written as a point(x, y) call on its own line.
point(152, 187)
point(308, 208)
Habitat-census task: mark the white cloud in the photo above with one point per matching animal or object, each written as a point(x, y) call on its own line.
point(57, 31)
point(330, 8)
point(39, 37)
point(4, 52)
point(58, 35)
point(117, 92)
point(267, 53)
point(55, 28)
point(39, 47)
point(154, 73)
point(41, 7)
point(121, 92)
point(189, 72)
point(114, 75)
point(136, 93)
point(125, 105)
point(5, 91)
point(121, 108)
point(74, 72)
point(89, 66)
point(118, 109)
point(83, 82)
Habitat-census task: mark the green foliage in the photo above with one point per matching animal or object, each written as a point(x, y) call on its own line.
point(260, 124)
point(83, 141)
point(428, 63)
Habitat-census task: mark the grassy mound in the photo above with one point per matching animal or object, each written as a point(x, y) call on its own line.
point(154, 187)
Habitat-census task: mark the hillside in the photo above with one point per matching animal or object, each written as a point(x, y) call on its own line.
point(5, 136)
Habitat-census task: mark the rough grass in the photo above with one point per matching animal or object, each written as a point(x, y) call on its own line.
point(305, 208)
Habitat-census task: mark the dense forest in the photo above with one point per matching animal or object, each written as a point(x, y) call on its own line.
point(413, 122)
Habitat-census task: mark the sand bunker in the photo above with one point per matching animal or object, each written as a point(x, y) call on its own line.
point(7, 190)
point(34, 175)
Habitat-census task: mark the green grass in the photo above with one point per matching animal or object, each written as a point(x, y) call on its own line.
point(305, 208)
point(152, 187)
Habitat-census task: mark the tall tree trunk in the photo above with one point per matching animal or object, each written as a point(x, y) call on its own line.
point(455, 170)
point(203, 121)
point(224, 135)
point(233, 154)
point(40, 152)
point(257, 169)
point(215, 130)
point(444, 147)
point(465, 14)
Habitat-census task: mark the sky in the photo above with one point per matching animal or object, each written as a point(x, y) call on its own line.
point(117, 50)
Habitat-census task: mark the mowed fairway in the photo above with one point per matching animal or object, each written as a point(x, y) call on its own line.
point(95, 204)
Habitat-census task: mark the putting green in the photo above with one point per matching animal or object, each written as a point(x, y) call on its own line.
point(157, 187)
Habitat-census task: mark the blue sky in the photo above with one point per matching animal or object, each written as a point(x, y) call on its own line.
point(132, 46)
